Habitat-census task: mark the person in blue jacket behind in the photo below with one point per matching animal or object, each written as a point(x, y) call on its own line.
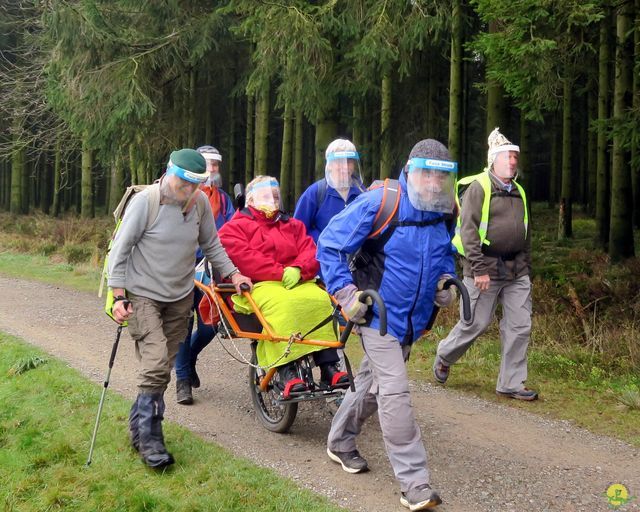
point(223, 209)
point(407, 265)
point(330, 195)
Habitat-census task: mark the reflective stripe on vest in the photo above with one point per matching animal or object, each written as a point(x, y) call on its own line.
point(485, 183)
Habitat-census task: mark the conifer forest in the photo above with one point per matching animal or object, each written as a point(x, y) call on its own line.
point(95, 94)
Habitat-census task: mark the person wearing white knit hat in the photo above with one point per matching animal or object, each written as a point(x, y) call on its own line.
point(494, 240)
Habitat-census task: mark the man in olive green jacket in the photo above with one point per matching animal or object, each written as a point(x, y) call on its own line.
point(494, 239)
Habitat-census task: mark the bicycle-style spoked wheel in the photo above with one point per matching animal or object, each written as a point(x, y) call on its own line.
point(274, 414)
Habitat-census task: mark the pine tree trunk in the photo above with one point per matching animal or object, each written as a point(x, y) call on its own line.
point(262, 132)
point(285, 160)
point(525, 174)
point(45, 187)
point(17, 170)
point(564, 224)
point(5, 186)
point(592, 152)
point(621, 234)
point(117, 182)
point(25, 189)
point(191, 113)
point(386, 160)
point(133, 164)
point(86, 205)
point(635, 149)
point(231, 147)
point(356, 123)
point(249, 139)
point(57, 169)
point(368, 145)
point(496, 103)
point(602, 156)
point(326, 130)
point(554, 166)
point(455, 82)
point(298, 171)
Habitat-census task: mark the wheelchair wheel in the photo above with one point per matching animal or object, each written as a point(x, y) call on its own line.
point(273, 413)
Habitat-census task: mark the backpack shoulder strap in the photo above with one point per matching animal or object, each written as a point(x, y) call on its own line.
point(388, 207)
point(200, 205)
point(154, 204)
point(321, 191)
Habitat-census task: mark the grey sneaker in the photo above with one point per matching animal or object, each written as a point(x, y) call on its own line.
point(351, 462)
point(421, 497)
point(440, 370)
point(528, 395)
point(183, 392)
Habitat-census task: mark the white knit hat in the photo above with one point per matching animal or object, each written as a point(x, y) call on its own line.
point(497, 144)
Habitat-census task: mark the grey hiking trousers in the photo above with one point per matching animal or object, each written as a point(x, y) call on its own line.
point(515, 328)
point(382, 385)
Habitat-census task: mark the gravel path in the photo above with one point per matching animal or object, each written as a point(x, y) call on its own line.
point(484, 456)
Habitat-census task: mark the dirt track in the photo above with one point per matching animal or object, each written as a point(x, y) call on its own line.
point(483, 456)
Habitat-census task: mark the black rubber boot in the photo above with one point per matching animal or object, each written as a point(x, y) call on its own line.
point(184, 395)
point(150, 416)
point(134, 433)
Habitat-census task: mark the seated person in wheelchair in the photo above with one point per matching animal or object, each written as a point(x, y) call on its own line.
point(275, 252)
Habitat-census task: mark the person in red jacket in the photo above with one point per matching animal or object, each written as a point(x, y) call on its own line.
point(269, 245)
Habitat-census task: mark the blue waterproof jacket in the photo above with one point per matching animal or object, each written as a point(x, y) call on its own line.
point(316, 217)
point(404, 268)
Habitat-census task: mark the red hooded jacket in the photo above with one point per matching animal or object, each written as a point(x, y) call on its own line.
point(261, 248)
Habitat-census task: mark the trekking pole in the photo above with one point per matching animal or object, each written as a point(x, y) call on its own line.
point(104, 390)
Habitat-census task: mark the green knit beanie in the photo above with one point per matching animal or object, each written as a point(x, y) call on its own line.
point(189, 159)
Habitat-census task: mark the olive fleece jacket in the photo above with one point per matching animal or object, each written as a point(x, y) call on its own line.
point(508, 256)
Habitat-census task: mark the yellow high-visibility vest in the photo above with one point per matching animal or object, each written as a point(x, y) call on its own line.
point(485, 182)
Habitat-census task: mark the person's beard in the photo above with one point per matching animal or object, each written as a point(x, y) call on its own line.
point(168, 194)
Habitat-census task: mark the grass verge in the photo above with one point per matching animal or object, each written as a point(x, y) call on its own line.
point(46, 420)
point(81, 276)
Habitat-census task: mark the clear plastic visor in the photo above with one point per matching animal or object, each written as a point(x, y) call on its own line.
point(342, 170)
point(431, 185)
point(264, 196)
point(213, 166)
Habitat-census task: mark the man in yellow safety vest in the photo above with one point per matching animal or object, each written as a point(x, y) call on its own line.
point(493, 237)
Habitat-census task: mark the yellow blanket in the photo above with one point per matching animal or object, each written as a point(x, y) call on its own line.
point(289, 311)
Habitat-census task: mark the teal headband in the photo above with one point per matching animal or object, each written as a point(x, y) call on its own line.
point(431, 163)
point(343, 154)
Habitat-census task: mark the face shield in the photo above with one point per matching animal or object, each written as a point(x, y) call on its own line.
point(505, 164)
point(264, 196)
point(431, 184)
point(213, 166)
point(342, 170)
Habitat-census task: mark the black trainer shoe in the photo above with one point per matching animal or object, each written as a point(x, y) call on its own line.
point(332, 377)
point(289, 382)
point(440, 371)
point(421, 497)
point(183, 392)
point(352, 462)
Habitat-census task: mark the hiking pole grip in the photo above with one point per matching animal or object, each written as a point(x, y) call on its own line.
point(464, 296)
point(112, 358)
point(382, 310)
